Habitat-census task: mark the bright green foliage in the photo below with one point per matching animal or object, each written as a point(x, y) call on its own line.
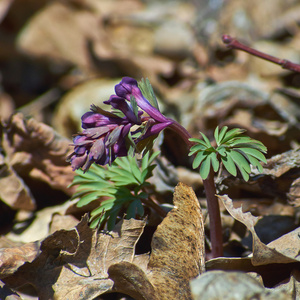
point(121, 184)
point(233, 149)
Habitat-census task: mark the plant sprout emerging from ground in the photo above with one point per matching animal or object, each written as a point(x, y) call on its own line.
point(234, 151)
point(131, 125)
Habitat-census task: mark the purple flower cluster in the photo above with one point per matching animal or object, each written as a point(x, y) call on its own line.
point(105, 134)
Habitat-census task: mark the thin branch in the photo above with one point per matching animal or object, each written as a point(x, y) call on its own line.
point(232, 43)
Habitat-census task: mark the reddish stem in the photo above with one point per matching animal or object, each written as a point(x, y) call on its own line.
point(215, 225)
point(216, 237)
point(235, 44)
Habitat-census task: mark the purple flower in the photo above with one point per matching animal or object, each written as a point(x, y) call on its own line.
point(105, 134)
point(129, 87)
point(103, 138)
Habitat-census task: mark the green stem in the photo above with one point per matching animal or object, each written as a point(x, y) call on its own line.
point(213, 208)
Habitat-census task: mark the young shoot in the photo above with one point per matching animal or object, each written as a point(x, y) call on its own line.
point(236, 152)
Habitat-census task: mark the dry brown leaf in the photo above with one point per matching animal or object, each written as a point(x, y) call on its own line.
point(291, 286)
point(73, 263)
point(262, 254)
point(13, 190)
point(83, 264)
point(13, 257)
point(178, 247)
point(34, 149)
point(232, 286)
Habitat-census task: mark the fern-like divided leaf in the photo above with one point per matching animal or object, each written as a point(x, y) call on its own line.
point(235, 150)
point(117, 188)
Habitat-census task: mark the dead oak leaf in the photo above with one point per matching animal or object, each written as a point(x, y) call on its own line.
point(83, 264)
point(262, 254)
point(34, 149)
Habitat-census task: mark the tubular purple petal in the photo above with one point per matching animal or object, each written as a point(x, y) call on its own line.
point(121, 104)
point(129, 87)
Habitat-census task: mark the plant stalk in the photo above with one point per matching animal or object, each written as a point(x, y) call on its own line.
point(216, 237)
point(213, 207)
point(235, 44)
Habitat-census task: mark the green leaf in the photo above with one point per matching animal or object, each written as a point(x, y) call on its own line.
point(111, 222)
point(198, 159)
point(231, 134)
point(136, 172)
point(229, 164)
point(147, 173)
point(240, 161)
point(214, 161)
point(198, 141)
point(123, 162)
point(153, 156)
point(206, 140)
point(255, 163)
point(222, 150)
point(103, 207)
point(221, 135)
point(216, 135)
point(197, 148)
point(255, 153)
point(205, 167)
point(134, 208)
point(93, 186)
point(88, 198)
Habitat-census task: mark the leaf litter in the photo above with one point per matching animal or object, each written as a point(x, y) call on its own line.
point(199, 82)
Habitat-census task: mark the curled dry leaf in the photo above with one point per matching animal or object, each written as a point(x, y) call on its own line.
point(263, 254)
point(34, 149)
point(13, 191)
point(83, 264)
point(12, 258)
